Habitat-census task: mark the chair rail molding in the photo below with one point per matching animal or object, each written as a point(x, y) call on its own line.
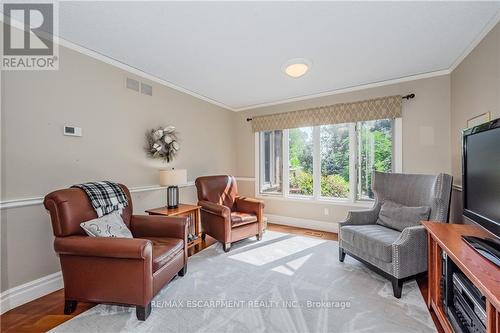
point(34, 201)
point(24, 202)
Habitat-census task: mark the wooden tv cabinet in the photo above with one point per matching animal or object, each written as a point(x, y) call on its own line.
point(482, 273)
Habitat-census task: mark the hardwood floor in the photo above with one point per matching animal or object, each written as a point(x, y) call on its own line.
point(46, 312)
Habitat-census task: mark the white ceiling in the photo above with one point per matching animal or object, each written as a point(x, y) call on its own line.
point(232, 52)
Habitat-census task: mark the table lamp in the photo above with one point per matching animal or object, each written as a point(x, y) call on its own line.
point(173, 178)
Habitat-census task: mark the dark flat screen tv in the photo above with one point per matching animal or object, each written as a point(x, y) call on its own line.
point(481, 183)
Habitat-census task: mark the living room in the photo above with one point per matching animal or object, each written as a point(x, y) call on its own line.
point(311, 114)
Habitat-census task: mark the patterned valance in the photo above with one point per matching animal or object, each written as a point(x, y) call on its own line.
point(371, 109)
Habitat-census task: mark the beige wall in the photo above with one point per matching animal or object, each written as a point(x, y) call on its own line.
point(426, 138)
point(37, 158)
point(475, 89)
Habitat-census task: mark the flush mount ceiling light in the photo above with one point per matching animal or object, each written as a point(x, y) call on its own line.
point(296, 67)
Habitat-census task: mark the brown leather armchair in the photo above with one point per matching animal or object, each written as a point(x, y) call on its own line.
point(226, 216)
point(115, 270)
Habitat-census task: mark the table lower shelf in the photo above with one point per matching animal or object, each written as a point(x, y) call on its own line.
point(195, 242)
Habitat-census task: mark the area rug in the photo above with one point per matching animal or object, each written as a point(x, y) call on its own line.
point(283, 283)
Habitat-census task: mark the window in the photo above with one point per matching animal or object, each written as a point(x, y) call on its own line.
point(375, 152)
point(334, 148)
point(271, 173)
point(329, 161)
point(300, 161)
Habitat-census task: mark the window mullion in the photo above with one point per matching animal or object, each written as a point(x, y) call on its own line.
point(316, 162)
point(397, 143)
point(271, 159)
point(353, 161)
point(286, 162)
point(258, 162)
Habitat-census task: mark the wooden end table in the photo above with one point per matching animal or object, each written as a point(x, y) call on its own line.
point(192, 212)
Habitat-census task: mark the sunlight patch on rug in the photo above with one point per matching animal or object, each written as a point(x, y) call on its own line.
point(283, 283)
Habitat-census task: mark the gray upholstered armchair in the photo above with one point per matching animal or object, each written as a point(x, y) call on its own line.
point(396, 255)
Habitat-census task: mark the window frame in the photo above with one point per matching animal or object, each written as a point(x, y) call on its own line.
point(317, 166)
point(263, 184)
point(316, 197)
point(396, 156)
point(287, 161)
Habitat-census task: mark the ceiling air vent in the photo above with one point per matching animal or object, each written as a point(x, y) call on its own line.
point(133, 84)
point(146, 89)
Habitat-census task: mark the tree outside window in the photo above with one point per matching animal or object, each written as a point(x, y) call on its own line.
point(301, 160)
point(338, 158)
point(334, 150)
point(375, 150)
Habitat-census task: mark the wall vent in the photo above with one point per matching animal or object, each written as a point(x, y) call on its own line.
point(146, 89)
point(133, 84)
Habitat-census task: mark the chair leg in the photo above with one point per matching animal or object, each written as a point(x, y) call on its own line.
point(227, 247)
point(143, 312)
point(203, 236)
point(259, 237)
point(183, 271)
point(397, 287)
point(341, 254)
point(69, 306)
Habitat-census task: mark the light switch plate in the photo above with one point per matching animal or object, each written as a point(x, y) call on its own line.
point(72, 131)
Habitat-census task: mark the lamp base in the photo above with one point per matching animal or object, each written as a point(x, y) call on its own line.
point(172, 197)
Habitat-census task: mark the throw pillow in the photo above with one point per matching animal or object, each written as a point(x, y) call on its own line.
point(110, 225)
point(396, 216)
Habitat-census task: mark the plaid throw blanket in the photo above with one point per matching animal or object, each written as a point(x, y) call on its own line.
point(106, 197)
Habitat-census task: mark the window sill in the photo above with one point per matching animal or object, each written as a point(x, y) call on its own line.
point(321, 201)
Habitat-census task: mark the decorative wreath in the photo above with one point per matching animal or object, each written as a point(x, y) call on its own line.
point(162, 143)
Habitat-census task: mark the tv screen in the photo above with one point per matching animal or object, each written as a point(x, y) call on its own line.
point(481, 182)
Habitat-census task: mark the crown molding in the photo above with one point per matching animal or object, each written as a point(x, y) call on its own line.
point(116, 63)
point(121, 65)
point(487, 28)
point(348, 89)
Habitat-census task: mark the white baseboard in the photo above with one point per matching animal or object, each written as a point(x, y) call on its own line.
point(32, 290)
point(303, 223)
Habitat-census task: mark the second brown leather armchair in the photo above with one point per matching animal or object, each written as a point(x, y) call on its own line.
point(226, 216)
point(115, 270)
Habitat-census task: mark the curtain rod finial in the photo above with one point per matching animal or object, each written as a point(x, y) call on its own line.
point(249, 119)
point(409, 96)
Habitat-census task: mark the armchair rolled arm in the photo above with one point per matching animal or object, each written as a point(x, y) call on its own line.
point(361, 217)
point(249, 205)
point(409, 234)
point(409, 252)
point(159, 226)
point(126, 248)
point(215, 209)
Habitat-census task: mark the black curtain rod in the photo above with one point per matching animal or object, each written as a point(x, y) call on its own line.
point(407, 97)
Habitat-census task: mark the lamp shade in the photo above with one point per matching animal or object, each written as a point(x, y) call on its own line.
point(173, 177)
